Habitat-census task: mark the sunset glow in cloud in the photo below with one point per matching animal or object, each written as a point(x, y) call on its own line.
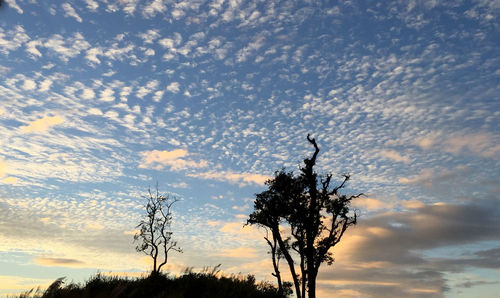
point(43, 124)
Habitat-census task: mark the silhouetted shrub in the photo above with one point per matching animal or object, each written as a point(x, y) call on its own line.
point(205, 284)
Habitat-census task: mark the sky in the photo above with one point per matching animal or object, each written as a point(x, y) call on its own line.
point(102, 99)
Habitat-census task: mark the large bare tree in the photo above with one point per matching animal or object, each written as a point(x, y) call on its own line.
point(315, 213)
point(155, 235)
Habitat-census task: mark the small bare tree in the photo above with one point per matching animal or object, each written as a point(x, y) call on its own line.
point(155, 235)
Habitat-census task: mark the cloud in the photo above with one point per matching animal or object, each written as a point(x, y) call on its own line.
point(391, 247)
point(92, 53)
point(173, 87)
point(412, 204)
point(69, 11)
point(43, 124)
point(395, 156)
point(435, 179)
point(145, 90)
point(12, 39)
point(67, 47)
point(167, 43)
point(425, 142)
point(253, 46)
point(240, 252)
point(88, 93)
point(173, 159)
point(16, 284)
point(180, 185)
point(107, 95)
point(481, 144)
point(154, 7)
point(45, 85)
point(119, 53)
point(13, 4)
point(55, 227)
point(59, 262)
point(94, 226)
point(240, 178)
point(31, 48)
point(3, 173)
point(149, 36)
point(371, 204)
point(3, 168)
point(29, 85)
point(92, 5)
point(241, 230)
point(10, 180)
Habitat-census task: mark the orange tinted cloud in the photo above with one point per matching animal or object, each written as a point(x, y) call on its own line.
point(43, 124)
point(3, 167)
point(174, 159)
point(61, 262)
point(10, 180)
point(3, 173)
point(240, 252)
point(371, 204)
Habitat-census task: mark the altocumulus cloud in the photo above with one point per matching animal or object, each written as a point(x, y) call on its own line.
point(42, 124)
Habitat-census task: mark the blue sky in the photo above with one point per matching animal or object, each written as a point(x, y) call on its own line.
point(101, 99)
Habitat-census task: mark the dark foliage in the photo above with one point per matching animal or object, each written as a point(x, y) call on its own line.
point(204, 284)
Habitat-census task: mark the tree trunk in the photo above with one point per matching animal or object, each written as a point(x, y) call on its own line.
point(311, 283)
point(288, 258)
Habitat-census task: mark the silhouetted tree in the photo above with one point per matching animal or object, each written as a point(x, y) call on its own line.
point(155, 236)
point(313, 211)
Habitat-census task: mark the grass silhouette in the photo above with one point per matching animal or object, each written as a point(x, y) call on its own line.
point(204, 284)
